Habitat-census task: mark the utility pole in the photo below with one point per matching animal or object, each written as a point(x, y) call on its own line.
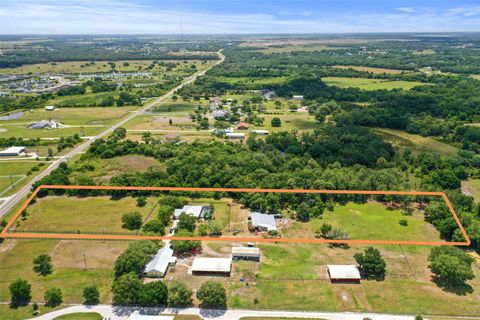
point(85, 260)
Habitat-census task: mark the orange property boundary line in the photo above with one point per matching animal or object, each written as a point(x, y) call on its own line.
point(6, 234)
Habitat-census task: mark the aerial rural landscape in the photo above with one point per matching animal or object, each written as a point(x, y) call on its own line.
point(285, 166)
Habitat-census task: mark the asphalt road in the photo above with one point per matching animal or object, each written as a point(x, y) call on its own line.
point(8, 204)
point(123, 313)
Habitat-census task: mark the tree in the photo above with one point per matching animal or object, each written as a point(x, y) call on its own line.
point(165, 214)
point(170, 122)
point(451, 266)
point(127, 289)
point(91, 295)
point(276, 122)
point(186, 222)
point(179, 295)
point(43, 264)
point(214, 228)
point(185, 246)
point(325, 229)
point(132, 220)
point(53, 297)
point(202, 229)
point(133, 259)
point(20, 292)
point(141, 201)
point(371, 263)
point(155, 227)
point(212, 295)
point(153, 294)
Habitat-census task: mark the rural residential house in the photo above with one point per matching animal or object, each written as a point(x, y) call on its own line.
point(159, 263)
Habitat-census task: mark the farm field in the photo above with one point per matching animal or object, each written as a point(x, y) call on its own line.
point(415, 142)
point(368, 221)
point(104, 169)
point(305, 268)
point(372, 69)
point(72, 214)
point(294, 48)
point(98, 66)
point(18, 168)
point(74, 116)
point(86, 121)
point(371, 84)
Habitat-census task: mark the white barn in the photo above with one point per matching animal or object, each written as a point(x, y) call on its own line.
point(12, 152)
point(212, 266)
point(235, 135)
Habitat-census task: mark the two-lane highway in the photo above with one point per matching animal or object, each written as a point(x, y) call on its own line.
point(8, 204)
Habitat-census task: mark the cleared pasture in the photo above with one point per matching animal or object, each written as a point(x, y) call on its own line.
point(371, 84)
point(372, 69)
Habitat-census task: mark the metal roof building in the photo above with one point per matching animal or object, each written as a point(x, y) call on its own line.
point(260, 132)
point(235, 135)
point(343, 272)
point(157, 266)
point(263, 221)
point(12, 151)
point(211, 266)
point(246, 253)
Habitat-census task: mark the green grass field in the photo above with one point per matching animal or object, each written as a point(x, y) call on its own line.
point(416, 143)
point(16, 262)
point(369, 221)
point(371, 84)
point(372, 70)
point(259, 81)
point(294, 48)
point(294, 277)
point(81, 316)
point(99, 66)
point(21, 313)
point(89, 215)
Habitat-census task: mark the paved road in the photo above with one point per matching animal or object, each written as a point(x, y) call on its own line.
point(22, 193)
point(121, 313)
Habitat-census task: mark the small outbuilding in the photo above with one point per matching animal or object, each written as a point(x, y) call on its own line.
point(246, 253)
point(159, 263)
point(260, 132)
point(263, 222)
point(235, 135)
point(50, 108)
point(343, 273)
point(12, 152)
point(297, 97)
point(212, 266)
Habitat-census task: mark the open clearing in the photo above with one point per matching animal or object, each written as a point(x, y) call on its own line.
point(416, 143)
point(372, 69)
point(471, 187)
point(369, 221)
point(85, 215)
point(98, 66)
point(371, 84)
point(295, 48)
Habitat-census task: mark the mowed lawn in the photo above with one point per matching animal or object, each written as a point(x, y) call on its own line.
point(89, 214)
point(371, 84)
point(293, 276)
point(369, 221)
point(416, 142)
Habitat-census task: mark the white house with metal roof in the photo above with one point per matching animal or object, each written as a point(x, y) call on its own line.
point(263, 221)
point(195, 211)
point(158, 265)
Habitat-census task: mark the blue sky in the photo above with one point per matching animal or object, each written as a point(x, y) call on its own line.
point(236, 16)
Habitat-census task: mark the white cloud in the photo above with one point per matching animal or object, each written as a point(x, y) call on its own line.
point(125, 17)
